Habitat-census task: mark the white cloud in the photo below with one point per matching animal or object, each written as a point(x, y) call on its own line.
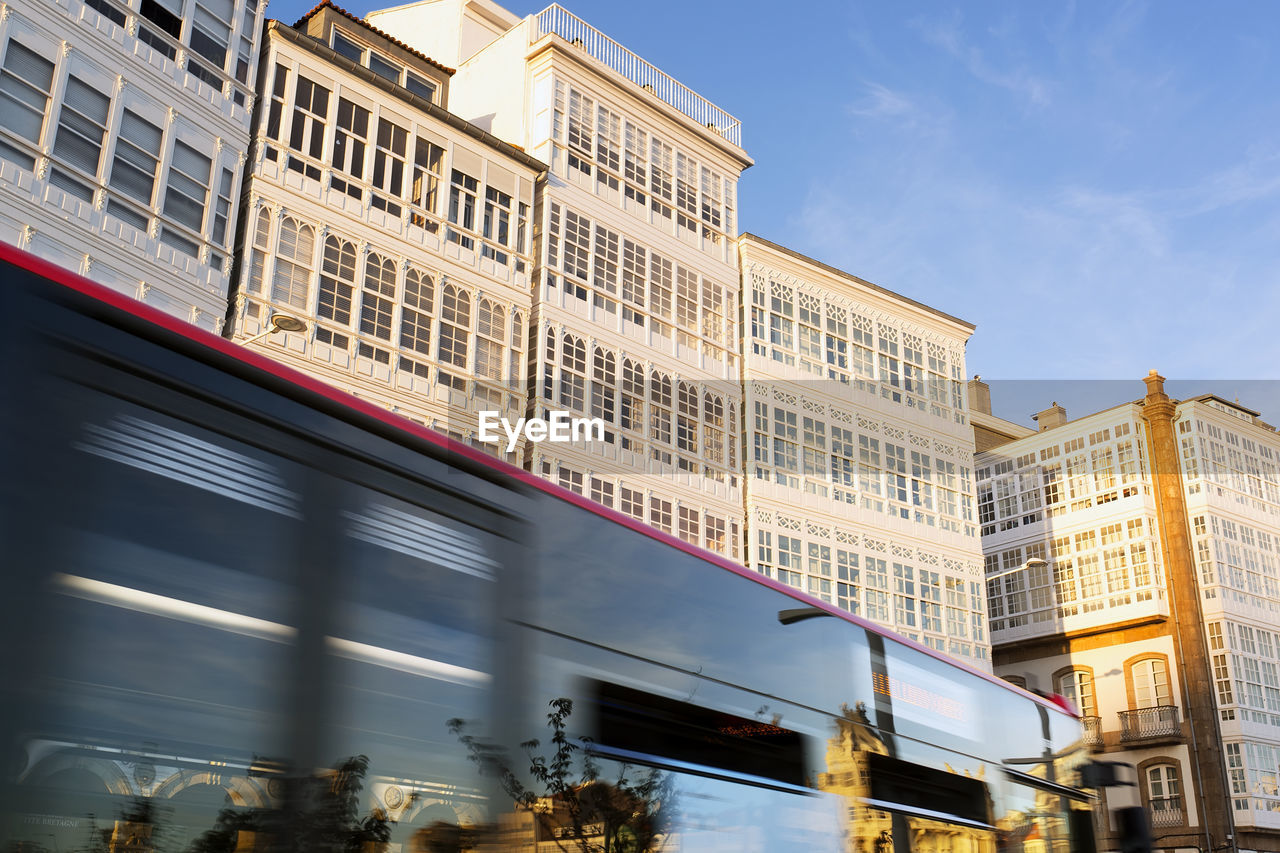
point(948, 36)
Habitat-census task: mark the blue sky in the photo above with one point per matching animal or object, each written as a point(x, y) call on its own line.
point(1095, 185)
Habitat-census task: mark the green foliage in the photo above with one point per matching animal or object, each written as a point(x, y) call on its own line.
point(569, 799)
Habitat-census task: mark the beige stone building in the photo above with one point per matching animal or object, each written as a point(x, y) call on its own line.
point(636, 293)
point(400, 234)
point(859, 486)
point(1131, 560)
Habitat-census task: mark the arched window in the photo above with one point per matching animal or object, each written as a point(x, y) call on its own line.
point(632, 408)
point(261, 248)
point(516, 372)
point(1016, 680)
point(687, 419)
point(713, 431)
point(378, 300)
point(660, 408)
point(455, 322)
point(1150, 680)
point(491, 321)
point(337, 284)
point(291, 283)
point(573, 373)
point(1077, 687)
point(415, 318)
point(1164, 794)
point(604, 386)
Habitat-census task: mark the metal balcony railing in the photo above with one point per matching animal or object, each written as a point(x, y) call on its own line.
point(1092, 732)
point(1167, 811)
point(557, 20)
point(1158, 723)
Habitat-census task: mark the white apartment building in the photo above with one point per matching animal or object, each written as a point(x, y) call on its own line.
point(859, 486)
point(636, 312)
point(397, 232)
point(123, 128)
point(1132, 567)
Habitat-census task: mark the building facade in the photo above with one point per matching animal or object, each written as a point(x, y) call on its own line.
point(123, 130)
point(1131, 560)
point(399, 233)
point(636, 290)
point(859, 486)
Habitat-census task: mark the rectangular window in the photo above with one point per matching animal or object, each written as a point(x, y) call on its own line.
point(25, 84)
point(660, 274)
point(344, 46)
point(222, 209)
point(497, 224)
point(579, 139)
point(660, 513)
point(388, 166)
point(462, 207)
point(634, 163)
point(187, 188)
point(211, 31)
point(133, 170)
point(660, 156)
point(279, 88)
point(427, 160)
point(349, 140)
point(606, 260)
point(420, 86)
point(384, 67)
point(608, 143)
point(82, 126)
point(306, 135)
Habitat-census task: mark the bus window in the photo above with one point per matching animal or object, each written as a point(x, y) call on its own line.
point(162, 676)
point(412, 649)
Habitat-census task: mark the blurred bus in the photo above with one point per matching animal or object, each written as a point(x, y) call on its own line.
point(244, 611)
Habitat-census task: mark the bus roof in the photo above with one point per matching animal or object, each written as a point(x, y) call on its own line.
point(493, 467)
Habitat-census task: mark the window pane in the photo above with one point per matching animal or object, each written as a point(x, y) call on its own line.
point(24, 91)
point(419, 86)
point(383, 67)
point(82, 126)
point(134, 169)
point(347, 47)
point(187, 187)
point(171, 644)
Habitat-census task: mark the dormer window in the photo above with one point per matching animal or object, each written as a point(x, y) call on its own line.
point(382, 66)
point(420, 86)
point(348, 48)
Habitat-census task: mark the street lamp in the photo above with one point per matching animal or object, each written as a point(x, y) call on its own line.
point(278, 323)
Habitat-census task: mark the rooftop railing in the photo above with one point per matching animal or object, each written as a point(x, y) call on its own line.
point(556, 20)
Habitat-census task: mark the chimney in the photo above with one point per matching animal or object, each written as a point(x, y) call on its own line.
point(979, 396)
point(1054, 416)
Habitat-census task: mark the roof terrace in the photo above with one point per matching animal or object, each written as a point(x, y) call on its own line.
point(556, 20)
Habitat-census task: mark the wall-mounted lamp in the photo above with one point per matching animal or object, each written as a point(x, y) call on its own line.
point(278, 323)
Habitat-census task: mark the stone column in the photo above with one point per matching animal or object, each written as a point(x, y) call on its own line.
point(1196, 674)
